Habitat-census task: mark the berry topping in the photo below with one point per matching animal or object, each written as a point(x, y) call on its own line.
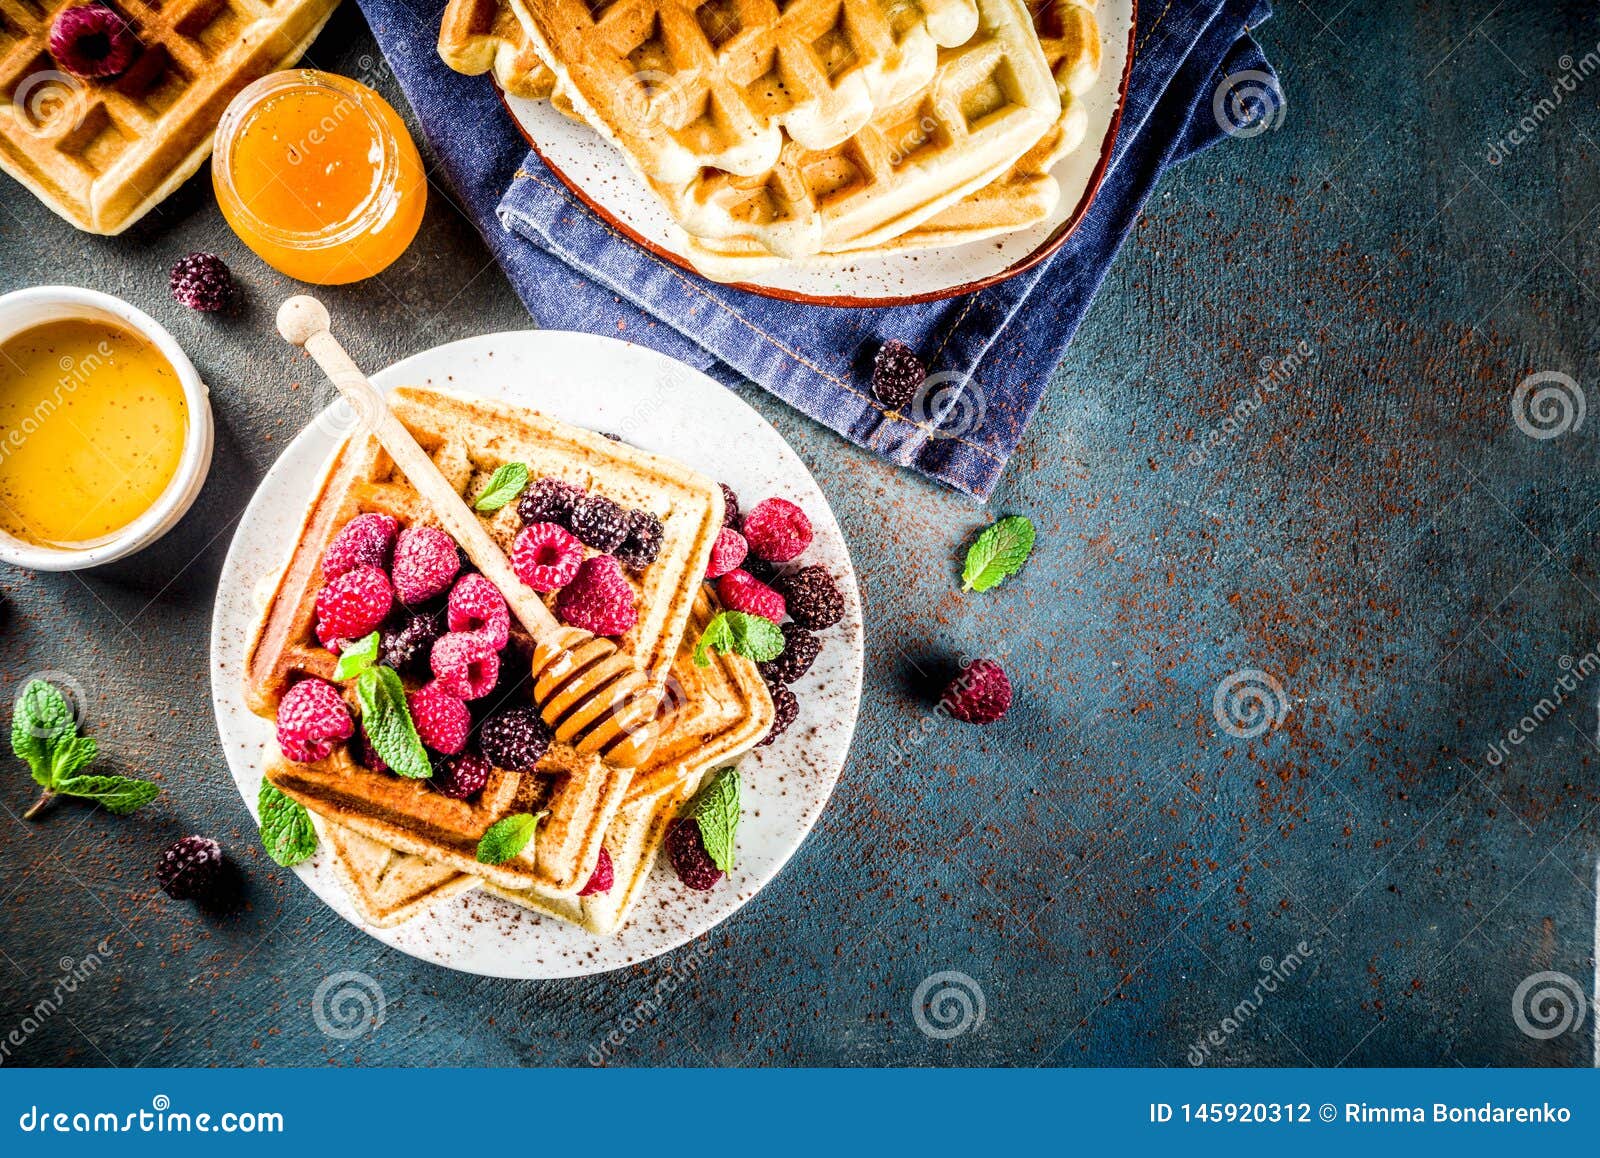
point(741, 591)
point(549, 500)
point(689, 857)
point(193, 869)
point(515, 739)
point(201, 282)
point(459, 777)
point(425, 561)
point(546, 556)
point(477, 605)
point(800, 649)
point(979, 695)
point(785, 708)
point(730, 507)
point(777, 530)
point(93, 41)
point(599, 522)
point(353, 605)
point(643, 543)
point(312, 718)
point(466, 664)
point(406, 648)
point(366, 755)
point(598, 599)
point(365, 541)
point(727, 553)
point(762, 570)
point(601, 880)
point(813, 598)
point(897, 374)
point(442, 720)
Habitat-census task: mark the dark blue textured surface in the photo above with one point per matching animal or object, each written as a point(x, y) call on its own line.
point(1109, 865)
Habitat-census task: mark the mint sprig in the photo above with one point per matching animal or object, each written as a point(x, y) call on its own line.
point(504, 484)
point(751, 636)
point(356, 658)
point(286, 829)
point(998, 553)
point(507, 838)
point(44, 735)
point(716, 810)
point(387, 721)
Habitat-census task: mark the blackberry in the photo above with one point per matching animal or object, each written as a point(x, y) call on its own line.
point(897, 374)
point(194, 869)
point(643, 543)
point(202, 282)
point(800, 649)
point(459, 777)
point(785, 708)
point(549, 500)
point(730, 507)
point(761, 569)
point(812, 597)
point(686, 849)
point(515, 739)
point(599, 523)
point(406, 648)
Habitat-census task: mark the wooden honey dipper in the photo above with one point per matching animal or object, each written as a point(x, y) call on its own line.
point(592, 694)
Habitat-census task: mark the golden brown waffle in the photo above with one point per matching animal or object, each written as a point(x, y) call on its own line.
point(103, 153)
point(478, 36)
point(389, 887)
point(468, 439)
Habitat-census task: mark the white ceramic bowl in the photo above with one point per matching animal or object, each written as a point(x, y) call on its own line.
point(27, 308)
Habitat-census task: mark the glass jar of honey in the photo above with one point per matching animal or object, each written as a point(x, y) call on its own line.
point(317, 174)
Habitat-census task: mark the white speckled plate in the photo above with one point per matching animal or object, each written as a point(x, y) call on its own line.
point(596, 172)
point(655, 403)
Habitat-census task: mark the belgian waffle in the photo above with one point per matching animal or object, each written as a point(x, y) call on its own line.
point(468, 439)
point(103, 153)
point(478, 36)
point(389, 887)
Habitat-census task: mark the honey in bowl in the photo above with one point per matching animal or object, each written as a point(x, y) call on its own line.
point(92, 428)
point(317, 175)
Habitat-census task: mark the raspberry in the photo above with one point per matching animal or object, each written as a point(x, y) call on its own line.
point(726, 553)
point(312, 718)
point(730, 507)
point(425, 561)
point(643, 543)
point(406, 649)
point(897, 374)
point(741, 591)
point(366, 755)
point(93, 41)
point(202, 282)
point(459, 777)
point(442, 720)
point(466, 664)
point(353, 605)
point(813, 598)
point(777, 530)
point(477, 605)
point(548, 501)
point(785, 708)
point(800, 649)
point(546, 556)
point(194, 869)
point(979, 695)
point(365, 541)
point(598, 599)
point(601, 880)
point(599, 522)
point(515, 739)
point(689, 858)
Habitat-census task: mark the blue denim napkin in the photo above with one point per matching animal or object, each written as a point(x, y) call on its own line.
point(992, 352)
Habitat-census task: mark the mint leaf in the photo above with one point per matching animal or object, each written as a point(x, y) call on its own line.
point(118, 795)
point(506, 838)
point(356, 657)
point(286, 830)
point(504, 485)
point(998, 553)
point(388, 725)
point(69, 758)
point(751, 636)
point(41, 721)
point(716, 810)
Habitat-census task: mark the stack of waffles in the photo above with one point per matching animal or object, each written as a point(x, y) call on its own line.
point(815, 132)
point(103, 153)
point(400, 845)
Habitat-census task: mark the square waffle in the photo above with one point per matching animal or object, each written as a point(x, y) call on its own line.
point(478, 36)
point(468, 439)
point(103, 153)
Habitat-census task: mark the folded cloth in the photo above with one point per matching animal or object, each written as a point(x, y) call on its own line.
point(991, 352)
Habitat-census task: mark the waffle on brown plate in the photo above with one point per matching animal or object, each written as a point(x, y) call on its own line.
point(103, 153)
point(468, 439)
